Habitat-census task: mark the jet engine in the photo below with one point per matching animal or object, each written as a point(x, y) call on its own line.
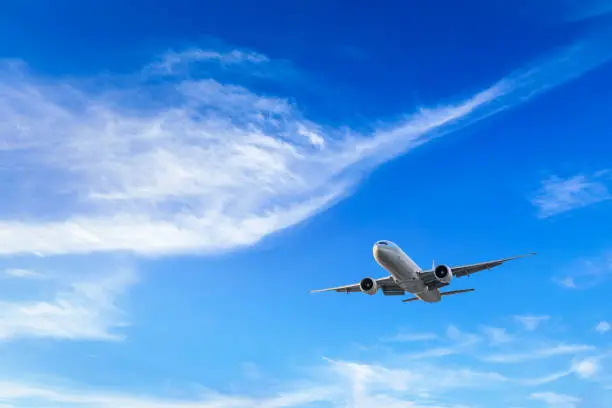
point(443, 273)
point(368, 286)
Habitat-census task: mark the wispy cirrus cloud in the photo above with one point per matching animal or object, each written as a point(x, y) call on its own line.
point(197, 163)
point(368, 382)
point(83, 308)
point(22, 273)
point(559, 195)
point(556, 400)
point(222, 63)
point(531, 322)
point(222, 168)
point(586, 272)
point(538, 353)
point(584, 368)
point(340, 383)
point(460, 341)
point(25, 393)
point(547, 379)
point(405, 336)
point(497, 335)
point(171, 60)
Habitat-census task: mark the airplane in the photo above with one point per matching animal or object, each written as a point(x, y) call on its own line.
point(407, 276)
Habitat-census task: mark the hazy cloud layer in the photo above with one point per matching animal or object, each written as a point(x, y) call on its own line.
point(372, 380)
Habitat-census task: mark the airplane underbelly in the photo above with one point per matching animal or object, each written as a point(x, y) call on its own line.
point(402, 268)
point(430, 296)
point(405, 276)
point(412, 285)
point(392, 265)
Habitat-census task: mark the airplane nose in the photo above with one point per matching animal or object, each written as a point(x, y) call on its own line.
point(376, 251)
point(381, 252)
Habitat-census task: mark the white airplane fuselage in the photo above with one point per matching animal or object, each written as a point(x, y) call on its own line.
point(404, 271)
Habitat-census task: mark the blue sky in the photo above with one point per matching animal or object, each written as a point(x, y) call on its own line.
point(176, 176)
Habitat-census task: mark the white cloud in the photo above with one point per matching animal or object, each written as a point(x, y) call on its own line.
point(547, 378)
point(586, 272)
point(603, 327)
point(559, 195)
point(437, 352)
point(196, 164)
point(22, 273)
point(408, 337)
point(457, 343)
point(586, 368)
point(85, 309)
point(567, 282)
point(179, 62)
point(497, 335)
point(410, 385)
point(196, 54)
point(458, 336)
point(222, 169)
point(537, 353)
point(531, 323)
point(555, 400)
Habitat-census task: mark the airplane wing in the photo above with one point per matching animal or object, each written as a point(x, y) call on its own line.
point(466, 270)
point(387, 285)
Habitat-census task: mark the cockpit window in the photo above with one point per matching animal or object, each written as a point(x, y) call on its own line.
point(382, 243)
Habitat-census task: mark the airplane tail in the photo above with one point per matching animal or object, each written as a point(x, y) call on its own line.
point(451, 292)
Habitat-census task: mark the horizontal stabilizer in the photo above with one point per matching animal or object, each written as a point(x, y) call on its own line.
point(456, 292)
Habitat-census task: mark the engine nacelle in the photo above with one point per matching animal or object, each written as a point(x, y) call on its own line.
point(443, 273)
point(368, 286)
